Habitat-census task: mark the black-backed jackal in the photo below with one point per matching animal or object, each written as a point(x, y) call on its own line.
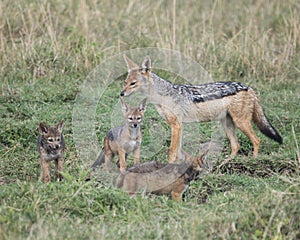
point(51, 146)
point(125, 139)
point(232, 103)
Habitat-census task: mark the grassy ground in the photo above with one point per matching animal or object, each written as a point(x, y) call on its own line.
point(48, 48)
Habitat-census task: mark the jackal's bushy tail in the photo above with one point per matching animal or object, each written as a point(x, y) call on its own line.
point(264, 125)
point(100, 160)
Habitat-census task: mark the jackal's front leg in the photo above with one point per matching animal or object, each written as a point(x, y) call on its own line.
point(122, 156)
point(178, 190)
point(59, 168)
point(176, 132)
point(136, 155)
point(175, 147)
point(45, 170)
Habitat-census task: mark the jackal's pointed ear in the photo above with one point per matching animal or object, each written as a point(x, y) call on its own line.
point(146, 64)
point(59, 126)
point(130, 64)
point(142, 106)
point(124, 106)
point(43, 128)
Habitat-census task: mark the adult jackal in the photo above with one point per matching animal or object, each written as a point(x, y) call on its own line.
point(232, 103)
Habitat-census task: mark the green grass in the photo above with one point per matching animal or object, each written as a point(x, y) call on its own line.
point(48, 48)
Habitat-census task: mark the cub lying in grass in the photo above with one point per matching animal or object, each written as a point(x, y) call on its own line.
point(161, 178)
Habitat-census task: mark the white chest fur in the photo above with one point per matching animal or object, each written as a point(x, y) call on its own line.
point(131, 145)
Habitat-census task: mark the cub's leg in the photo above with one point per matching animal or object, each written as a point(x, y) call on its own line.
point(59, 168)
point(136, 155)
point(45, 170)
point(178, 189)
point(108, 155)
point(122, 156)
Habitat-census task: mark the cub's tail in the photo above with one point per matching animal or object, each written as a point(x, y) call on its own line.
point(100, 160)
point(264, 125)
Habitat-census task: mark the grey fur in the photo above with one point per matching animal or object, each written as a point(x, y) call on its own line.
point(199, 93)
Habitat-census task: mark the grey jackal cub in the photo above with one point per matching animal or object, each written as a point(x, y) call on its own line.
point(232, 103)
point(125, 139)
point(161, 178)
point(51, 146)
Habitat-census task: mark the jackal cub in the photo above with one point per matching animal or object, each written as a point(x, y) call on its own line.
point(51, 146)
point(125, 139)
point(161, 178)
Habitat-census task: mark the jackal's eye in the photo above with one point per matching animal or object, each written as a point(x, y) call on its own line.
point(50, 139)
point(130, 118)
point(139, 118)
point(58, 139)
point(132, 84)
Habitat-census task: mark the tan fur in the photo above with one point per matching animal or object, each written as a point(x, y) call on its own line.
point(123, 140)
point(235, 110)
point(159, 178)
point(51, 146)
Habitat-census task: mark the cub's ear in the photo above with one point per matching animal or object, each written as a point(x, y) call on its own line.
point(142, 106)
point(43, 128)
point(125, 107)
point(59, 126)
point(203, 155)
point(146, 65)
point(130, 64)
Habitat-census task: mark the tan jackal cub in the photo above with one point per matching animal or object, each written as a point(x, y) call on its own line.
point(232, 103)
point(125, 139)
point(161, 178)
point(51, 146)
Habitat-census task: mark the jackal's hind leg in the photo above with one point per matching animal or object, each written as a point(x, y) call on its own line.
point(229, 128)
point(107, 162)
point(246, 127)
point(108, 155)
